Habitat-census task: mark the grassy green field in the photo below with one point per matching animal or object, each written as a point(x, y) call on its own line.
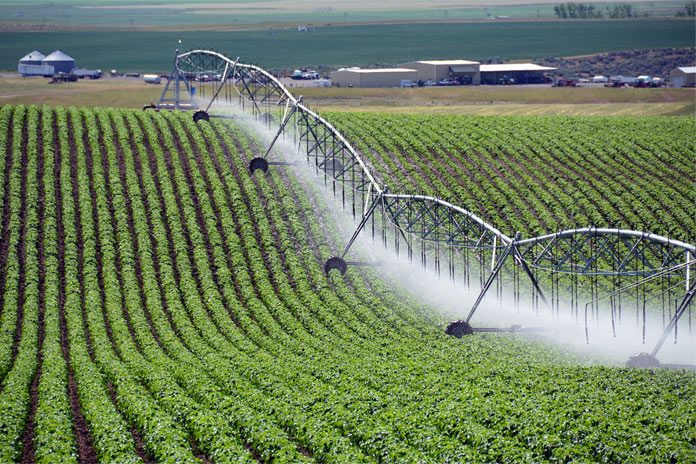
point(350, 45)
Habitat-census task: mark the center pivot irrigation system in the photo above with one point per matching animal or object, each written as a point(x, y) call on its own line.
point(621, 271)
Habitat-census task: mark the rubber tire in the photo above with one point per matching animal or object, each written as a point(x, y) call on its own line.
point(258, 163)
point(335, 263)
point(643, 360)
point(459, 329)
point(200, 115)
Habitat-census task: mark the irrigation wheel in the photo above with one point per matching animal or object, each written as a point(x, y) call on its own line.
point(644, 360)
point(335, 263)
point(459, 329)
point(258, 163)
point(200, 115)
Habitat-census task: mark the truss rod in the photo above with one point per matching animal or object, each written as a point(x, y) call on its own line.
point(223, 82)
point(377, 200)
point(288, 116)
point(686, 301)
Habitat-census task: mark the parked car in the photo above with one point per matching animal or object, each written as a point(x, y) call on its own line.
point(447, 82)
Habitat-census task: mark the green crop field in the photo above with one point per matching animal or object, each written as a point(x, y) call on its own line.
point(350, 45)
point(159, 303)
point(539, 175)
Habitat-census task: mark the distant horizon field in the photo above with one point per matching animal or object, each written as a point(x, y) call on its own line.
point(373, 45)
point(187, 14)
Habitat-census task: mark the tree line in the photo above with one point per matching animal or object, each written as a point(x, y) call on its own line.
point(574, 10)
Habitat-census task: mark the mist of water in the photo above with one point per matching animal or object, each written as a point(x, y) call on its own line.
point(611, 342)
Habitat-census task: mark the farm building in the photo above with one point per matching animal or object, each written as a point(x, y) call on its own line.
point(683, 77)
point(456, 71)
point(386, 77)
point(513, 73)
point(466, 72)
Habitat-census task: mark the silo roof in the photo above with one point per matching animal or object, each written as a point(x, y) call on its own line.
point(58, 56)
point(33, 56)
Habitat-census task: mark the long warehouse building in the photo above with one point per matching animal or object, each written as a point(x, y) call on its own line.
point(385, 77)
point(514, 73)
point(464, 72)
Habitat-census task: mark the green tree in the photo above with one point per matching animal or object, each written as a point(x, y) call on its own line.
point(575, 10)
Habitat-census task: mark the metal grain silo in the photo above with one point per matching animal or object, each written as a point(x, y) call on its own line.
point(33, 58)
point(60, 62)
